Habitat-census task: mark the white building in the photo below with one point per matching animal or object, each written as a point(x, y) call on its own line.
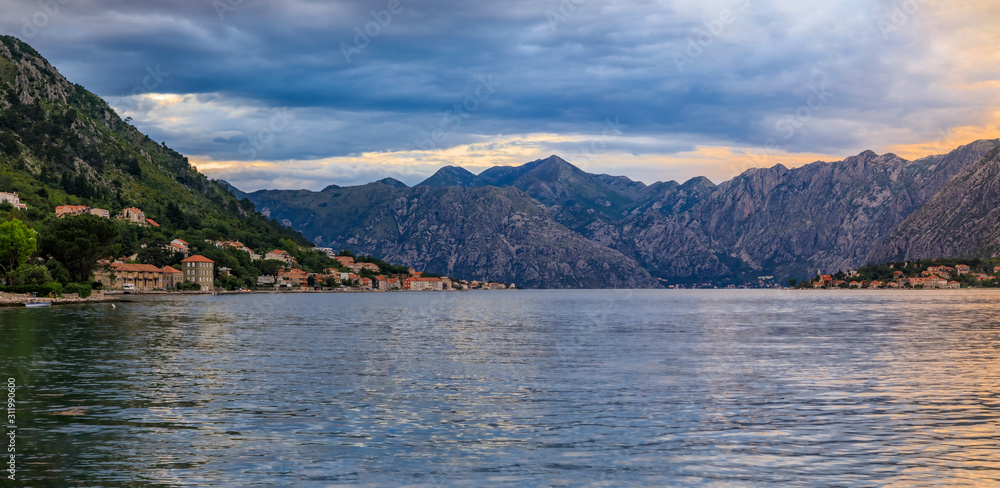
point(12, 199)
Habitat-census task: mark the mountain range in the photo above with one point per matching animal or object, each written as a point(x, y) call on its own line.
point(547, 223)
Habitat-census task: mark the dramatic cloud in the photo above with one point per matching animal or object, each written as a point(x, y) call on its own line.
point(309, 93)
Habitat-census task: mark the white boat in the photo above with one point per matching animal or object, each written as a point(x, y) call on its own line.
point(38, 304)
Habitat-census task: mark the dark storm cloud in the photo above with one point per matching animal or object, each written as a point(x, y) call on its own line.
point(379, 75)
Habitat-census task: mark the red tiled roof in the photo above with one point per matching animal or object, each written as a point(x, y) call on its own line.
point(168, 269)
point(135, 267)
point(152, 222)
point(197, 259)
point(68, 208)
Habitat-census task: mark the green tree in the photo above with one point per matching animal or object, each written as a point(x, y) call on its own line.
point(157, 253)
point(30, 275)
point(233, 283)
point(17, 243)
point(270, 267)
point(58, 271)
point(79, 241)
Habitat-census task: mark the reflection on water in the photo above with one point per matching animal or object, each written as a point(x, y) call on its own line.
point(554, 388)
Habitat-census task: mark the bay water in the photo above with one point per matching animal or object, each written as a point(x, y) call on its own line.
point(511, 388)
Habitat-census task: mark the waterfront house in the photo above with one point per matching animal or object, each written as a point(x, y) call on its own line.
point(953, 284)
point(295, 277)
point(199, 269)
point(386, 283)
point(171, 277)
point(936, 282)
point(415, 283)
point(912, 281)
point(144, 277)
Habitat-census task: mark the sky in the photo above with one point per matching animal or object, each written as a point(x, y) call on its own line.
point(308, 93)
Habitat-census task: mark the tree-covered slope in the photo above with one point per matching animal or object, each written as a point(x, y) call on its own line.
point(61, 144)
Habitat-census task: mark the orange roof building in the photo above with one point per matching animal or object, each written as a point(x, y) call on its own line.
point(64, 210)
point(199, 269)
point(144, 277)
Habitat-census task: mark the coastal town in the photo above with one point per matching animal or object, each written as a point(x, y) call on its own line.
point(181, 266)
point(193, 271)
point(929, 274)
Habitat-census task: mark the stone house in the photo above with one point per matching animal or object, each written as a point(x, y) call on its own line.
point(199, 269)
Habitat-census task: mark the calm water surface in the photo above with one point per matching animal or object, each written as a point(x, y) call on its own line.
point(519, 388)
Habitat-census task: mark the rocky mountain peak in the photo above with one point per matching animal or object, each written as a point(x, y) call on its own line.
point(449, 176)
point(392, 182)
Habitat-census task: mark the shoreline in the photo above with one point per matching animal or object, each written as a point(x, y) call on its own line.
point(20, 300)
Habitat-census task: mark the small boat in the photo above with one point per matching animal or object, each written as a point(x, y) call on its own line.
point(38, 304)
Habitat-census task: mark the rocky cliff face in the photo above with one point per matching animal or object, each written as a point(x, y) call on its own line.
point(498, 234)
point(962, 220)
point(765, 222)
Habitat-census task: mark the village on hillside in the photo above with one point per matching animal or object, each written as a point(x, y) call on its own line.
point(197, 273)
